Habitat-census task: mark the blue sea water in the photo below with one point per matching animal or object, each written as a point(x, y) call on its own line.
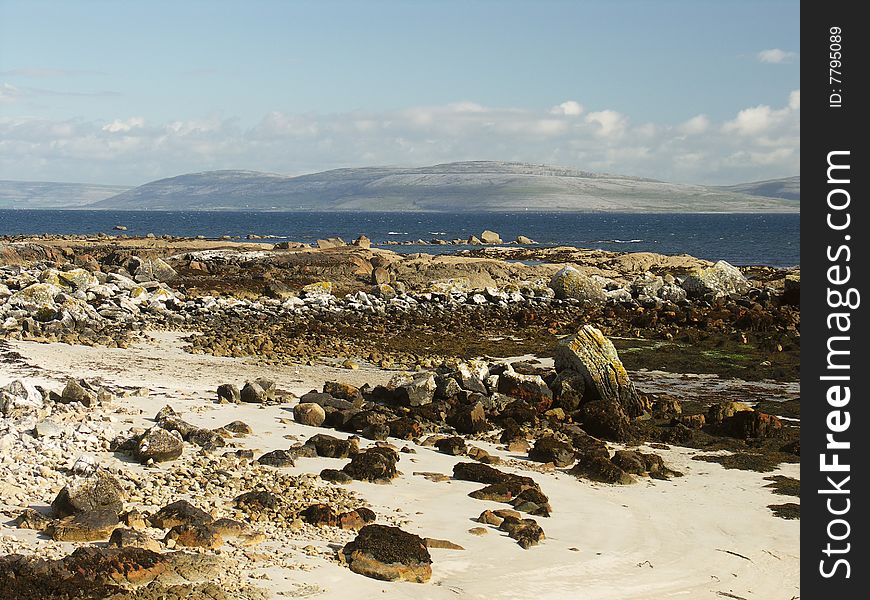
point(741, 239)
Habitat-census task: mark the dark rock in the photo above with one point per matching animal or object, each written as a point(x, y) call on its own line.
point(180, 512)
point(404, 428)
point(375, 464)
point(256, 501)
point(750, 424)
point(207, 439)
point(253, 393)
point(123, 537)
point(417, 392)
point(605, 419)
point(99, 492)
point(327, 401)
point(533, 495)
point(479, 472)
point(229, 392)
point(196, 535)
point(32, 519)
point(277, 458)
point(320, 514)
point(454, 446)
point(76, 392)
point(351, 520)
point(568, 389)
point(335, 476)
point(597, 468)
point(526, 532)
point(332, 447)
point(376, 431)
point(530, 388)
point(89, 526)
point(389, 554)
point(470, 419)
point(551, 450)
point(239, 428)
point(344, 391)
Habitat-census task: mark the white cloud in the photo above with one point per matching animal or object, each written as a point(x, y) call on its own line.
point(775, 56)
point(9, 93)
point(696, 125)
point(759, 142)
point(610, 123)
point(569, 108)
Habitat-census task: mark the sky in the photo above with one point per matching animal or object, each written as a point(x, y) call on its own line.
point(114, 92)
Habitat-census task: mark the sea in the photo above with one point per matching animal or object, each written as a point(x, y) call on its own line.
point(741, 239)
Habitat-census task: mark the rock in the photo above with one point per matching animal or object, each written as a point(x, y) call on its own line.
point(75, 392)
point(89, 526)
point(277, 458)
point(99, 492)
point(153, 269)
point(332, 447)
point(320, 514)
point(530, 388)
point(442, 544)
point(122, 537)
point(525, 241)
point(470, 419)
point(568, 389)
point(569, 283)
point(351, 520)
point(309, 413)
point(490, 237)
point(207, 439)
point(33, 519)
point(479, 472)
point(791, 291)
point(363, 242)
point(473, 240)
point(490, 518)
point(158, 445)
point(478, 531)
point(598, 468)
point(48, 428)
point(526, 532)
point(389, 554)
point(256, 501)
point(404, 428)
point(551, 450)
point(253, 393)
point(722, 279)
point(592, 355)
point(374, 464)
point(197, 535)
point(120, 228)
point(667, 408)
point(533, 501)
point(228, 392)
point(317, 289)
point(605, 419)
point(750, 425)
point(335, 476)
point(500, 492)
point(344, 391)
point(717, 413)
point(380, 276)
point(279, 290)
point(180, 512)
point(238, 428)
point(454, 446)
point(418, 391)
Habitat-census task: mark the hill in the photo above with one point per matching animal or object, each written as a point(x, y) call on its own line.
point(47, 194)
point(788, 188)
point(452, 187)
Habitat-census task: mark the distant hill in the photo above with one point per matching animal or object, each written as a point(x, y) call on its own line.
point(453, 187)
point(46, 194)
point(788, 188)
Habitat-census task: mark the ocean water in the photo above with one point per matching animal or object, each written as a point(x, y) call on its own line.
point(741, 239)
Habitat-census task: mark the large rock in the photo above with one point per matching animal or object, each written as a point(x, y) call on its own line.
point(490, 237)
point(569, 283)
point(375, 464)
point(159, 445)
point(180, 512)
point(390, 554)
point(598, 468)
point(99, 492)
point(309, 413)
point(530, 388)
point(152, 269)
point(418, 391)
point(594, 357)
point(89, 526)
point(470, 419)
point(551, 450)
point(605, 419)
point(722, 279)
point(748, 424)
point(333, 447)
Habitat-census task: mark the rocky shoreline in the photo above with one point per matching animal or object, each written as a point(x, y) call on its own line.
point(410, 362)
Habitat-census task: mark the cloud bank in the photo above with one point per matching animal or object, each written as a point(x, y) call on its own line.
point(775, 56)
point(758, 142)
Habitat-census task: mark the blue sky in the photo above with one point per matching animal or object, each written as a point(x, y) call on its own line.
point(124, 92)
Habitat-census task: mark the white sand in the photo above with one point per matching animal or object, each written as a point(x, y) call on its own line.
point(650, 540)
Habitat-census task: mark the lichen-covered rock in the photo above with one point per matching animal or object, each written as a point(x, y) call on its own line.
point(569, 283)
point(592, 355)
point(375, 464)
point(152, 269)
point(389, 554)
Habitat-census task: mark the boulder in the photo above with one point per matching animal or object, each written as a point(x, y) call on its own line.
point(454, 446)
point(470, 419)
point(89, 526)
point(159, 445)
point(277, 458)
point(417, 391)
point(74, 391)
point(153, 269)
point(750, 425)
point(722, 279)
point(389, 554)
point(605, 419)
point(333, 447)
point(344, 391)
point(123, 537)
point(309, 413)
point(569, 283)
point(551, 450)
point(98, 492)
point(490, 237)
point(593, 356)
point(525, 241)
point(180, 512)
point(253, 393)
point(196, 535)
point(362, 242)
point(375, 464)
point(598, 468)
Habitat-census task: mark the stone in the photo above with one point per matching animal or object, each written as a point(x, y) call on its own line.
point(33, 519)
point(592, 355)
point(123, 537)
point(333, 447)
point(454, 446)
point(253, 393)
point(525, 241)
point(180, 512)
point(256, 501)
point(490, 518)
point(470, 419)
point(153, 269)
point(319, 514)
point(228, 392)
point(89, 526)
point(442, 544)
point(490, 237)
point(722, 279)
point(197, 535)
point(363, 242)
point(207, 439)
point(598, 468)
point(277, 458)
point(551, 450)
point(344, 391)
point(74, 391)
point(605, 419)
point(569, 283)
point(478, 531)
point(238, 428)
point(526, 532)
point(335, 476)
point(99, 492)
point(309, 413)
point(159, 445)
point(717, 413)
point(319, 288)
point(375, 464)
point(479, 473)
point(418, 391)
point(351, 520)
point(389, 554)
point(750, 425)
point(530, 388)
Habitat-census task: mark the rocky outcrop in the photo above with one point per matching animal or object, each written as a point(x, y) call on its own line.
point(722, 279)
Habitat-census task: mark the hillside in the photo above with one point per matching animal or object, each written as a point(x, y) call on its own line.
point(453, 187)
point(46, 194)
point(788, 188)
